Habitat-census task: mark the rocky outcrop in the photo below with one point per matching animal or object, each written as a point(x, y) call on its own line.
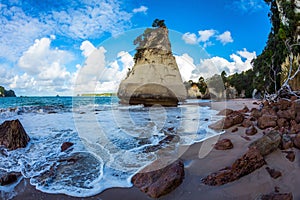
point(248, 163)
point(159, 182)
point(276, 196)
point(155, 77)
point(13, 135)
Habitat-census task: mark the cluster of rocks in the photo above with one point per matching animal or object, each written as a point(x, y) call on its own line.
point(281, 124)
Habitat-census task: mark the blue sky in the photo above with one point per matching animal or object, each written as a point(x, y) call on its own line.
point(67, 47)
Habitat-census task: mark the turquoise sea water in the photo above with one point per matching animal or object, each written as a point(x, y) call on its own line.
point(112, 142)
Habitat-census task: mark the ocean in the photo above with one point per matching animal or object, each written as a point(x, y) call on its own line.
point(112, 142)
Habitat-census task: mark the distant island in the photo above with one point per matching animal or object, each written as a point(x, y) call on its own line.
point(6, 93)
point(98, 95)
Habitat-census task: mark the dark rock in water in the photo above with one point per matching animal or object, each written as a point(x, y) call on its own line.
point(159, 182)
point(267, 143)
point(223, 144)
point(9, 178)
point(276, 196)
point(65, 146)
point(251, 130)
point(273, 173)
point(167, 140)
point(13, 135)
point(248, 163)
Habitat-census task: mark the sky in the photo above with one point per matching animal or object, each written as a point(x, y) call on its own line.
point(71, 47)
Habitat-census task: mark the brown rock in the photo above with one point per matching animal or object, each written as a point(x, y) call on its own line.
point(256, 113)
point(244, 110)
point(251, 130)
point(284, 104)
point(286, 142)
point(267, 143)
point(223, 144)
point(296, 141)
point(293, 98)
point(276, 196)
point(248, 163)
point(286, 114)
point(160, 182)
point(230, 120)
point(295, 127)
point(13, 135)
point(247, 122)
point(273, 173)
point(246, 138)
point(65, 146)
point(267, 121)
point(9, 178)
point(234, 130)
point(225, 112)
point(282, 122)
point(290, 155)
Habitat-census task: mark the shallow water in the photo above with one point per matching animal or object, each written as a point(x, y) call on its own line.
point(112, 142)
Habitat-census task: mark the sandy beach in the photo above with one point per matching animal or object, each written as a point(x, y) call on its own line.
point(201, 160)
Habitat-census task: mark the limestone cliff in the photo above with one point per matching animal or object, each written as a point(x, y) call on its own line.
point(155, 77)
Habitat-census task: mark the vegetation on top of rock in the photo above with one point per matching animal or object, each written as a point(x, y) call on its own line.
point(6, 93)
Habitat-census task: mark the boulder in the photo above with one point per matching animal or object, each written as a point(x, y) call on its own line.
point(65, 146)
point(247, 122)
point(296, 141)
point(286, 114)
point(13, 135)
point(267, 143)
point(248, 163)
point(282, 122)
point(159, 182)
point(223, 144)
point(230, 120)
point(266, 121)
point(273, 173)
point(276, 196)
point(251, 130)
point(295, 127)
point(256, 113)
point(9, 178)
point(290, 155)
point(225, 112)
point(286, 142)
point(155, 77)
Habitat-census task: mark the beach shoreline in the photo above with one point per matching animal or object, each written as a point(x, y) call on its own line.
point(199, 165)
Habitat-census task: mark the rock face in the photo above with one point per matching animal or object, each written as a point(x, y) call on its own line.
point(155, 77)
point(160, 182)
point(13, 135)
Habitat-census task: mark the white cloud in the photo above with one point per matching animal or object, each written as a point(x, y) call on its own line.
point(21, 23)
point(87, 48)
point(215, 65)
point(205, 35)
point(97, 76)
point(190, 38)
point(142, 9)
point(225, 37)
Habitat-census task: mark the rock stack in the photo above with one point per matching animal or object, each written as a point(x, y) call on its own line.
point(155, 77)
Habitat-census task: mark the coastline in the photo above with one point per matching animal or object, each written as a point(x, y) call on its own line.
point(248, 187)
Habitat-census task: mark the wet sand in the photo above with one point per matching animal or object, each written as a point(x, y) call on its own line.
point(201, 160)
